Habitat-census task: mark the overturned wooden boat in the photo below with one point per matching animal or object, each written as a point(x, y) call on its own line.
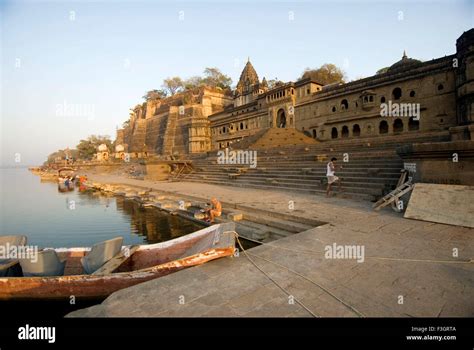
point(142, 263)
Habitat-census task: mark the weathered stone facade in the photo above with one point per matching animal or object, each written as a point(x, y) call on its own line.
point(174, 125)
point(194, 122)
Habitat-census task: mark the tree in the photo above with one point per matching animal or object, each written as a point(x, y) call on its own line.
point(155, 95)
point(382, 70)
point(328, 73)
point(173, 85)
point(71, 153)
point(87, 148)
point(215, 78)
point(273, 83)
point(126, 124)
point(193, 82)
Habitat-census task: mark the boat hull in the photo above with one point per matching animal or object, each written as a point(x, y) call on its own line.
point(147, 263)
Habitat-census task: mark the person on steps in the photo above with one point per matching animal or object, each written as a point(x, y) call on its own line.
point(332, 178)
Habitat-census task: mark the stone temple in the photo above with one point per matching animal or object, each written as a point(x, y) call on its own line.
point(298, 123)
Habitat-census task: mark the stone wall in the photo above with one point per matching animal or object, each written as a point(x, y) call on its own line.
point(161, 127)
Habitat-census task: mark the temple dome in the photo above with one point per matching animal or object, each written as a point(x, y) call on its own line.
point(404, 63)
point(248, 78)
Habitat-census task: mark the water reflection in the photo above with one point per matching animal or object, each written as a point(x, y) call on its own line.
point(153, 224)
point(50, 218)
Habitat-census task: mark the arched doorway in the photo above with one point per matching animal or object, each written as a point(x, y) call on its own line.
point(281, 119)
point(383, 127)
point(356, 130)
point(413, 124)
point(345, 131)
point(398, 125)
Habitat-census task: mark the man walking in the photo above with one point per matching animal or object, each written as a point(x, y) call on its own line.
point(332, 178)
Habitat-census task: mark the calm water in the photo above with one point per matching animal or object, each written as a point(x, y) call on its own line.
point(74, 219)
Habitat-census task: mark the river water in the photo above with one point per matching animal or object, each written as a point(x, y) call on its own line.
point(50, 218)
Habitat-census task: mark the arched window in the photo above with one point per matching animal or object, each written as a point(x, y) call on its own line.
point(334, 133)
point(241, 126)
point(412, 93)
point(413, 124)
point(334, 108)
point(440, 87)
point(356, 130)
point(314, 133)
point(344, 104)
point(397, 93)
point(382, 99)
point(383, 127)
point(398, 125)
point(345, 131)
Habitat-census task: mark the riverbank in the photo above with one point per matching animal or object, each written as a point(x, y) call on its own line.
point(408, 267)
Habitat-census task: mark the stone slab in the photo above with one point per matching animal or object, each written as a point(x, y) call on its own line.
point(446, 204)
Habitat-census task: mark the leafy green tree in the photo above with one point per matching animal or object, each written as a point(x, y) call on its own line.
point(193, 82)
point(71, 153)
point(173, 85)
point(328, 73)
point(88, 147)
point(271, 83)
point(215, 78)
point(155, 94)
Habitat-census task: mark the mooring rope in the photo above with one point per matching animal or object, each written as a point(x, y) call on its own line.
point(313, 252)
point(271, 279)
point(313, 282)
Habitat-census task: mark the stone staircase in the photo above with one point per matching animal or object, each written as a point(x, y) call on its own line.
point(372, 168)
point(275, 137)
point(168, 138)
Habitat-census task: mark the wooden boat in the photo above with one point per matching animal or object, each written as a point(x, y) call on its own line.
point(145, 262)
point(63, 175)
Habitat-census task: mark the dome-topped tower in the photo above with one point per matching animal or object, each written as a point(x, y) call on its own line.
point(248, 87)
point(248, 78)
point(404, 63)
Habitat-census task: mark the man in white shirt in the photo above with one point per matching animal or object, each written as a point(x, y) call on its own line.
point(332, 178)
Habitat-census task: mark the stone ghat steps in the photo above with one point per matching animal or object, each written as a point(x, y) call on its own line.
point(342, 146)
point(359, 185)
point(372, 170)
point(390, 141)
point(313, 176)
point(367, 175)
point(308, 158)
point(290, 165)
point(313, 190)
point(300, 164)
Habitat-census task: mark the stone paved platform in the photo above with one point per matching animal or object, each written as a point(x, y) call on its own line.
point(402, 259)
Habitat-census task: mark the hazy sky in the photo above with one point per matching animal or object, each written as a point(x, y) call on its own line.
point(99, 58)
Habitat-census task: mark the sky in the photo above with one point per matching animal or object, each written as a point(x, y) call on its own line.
point(72, 69)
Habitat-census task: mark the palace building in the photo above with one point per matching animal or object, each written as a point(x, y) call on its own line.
point(208, 119)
